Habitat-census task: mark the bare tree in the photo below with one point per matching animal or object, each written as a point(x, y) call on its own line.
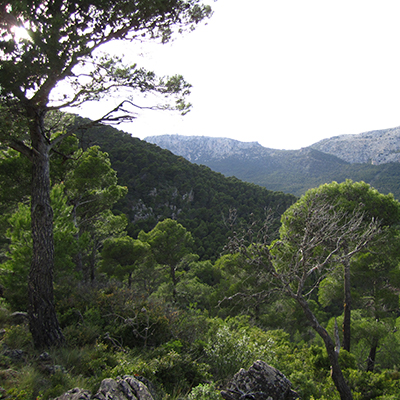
point(311, 246)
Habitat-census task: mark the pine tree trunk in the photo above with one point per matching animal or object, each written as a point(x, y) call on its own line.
point(347, 307)
point(372, 355)
point(336, 372)
point(174, 281)
point(43, 321)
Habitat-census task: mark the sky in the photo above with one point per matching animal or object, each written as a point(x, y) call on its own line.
point(283, 73)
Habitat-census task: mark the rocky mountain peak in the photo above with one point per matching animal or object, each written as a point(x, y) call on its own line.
point(196, 148)
point(374, 147)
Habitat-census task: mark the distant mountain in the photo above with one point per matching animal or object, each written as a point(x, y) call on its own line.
point(290, 171)
point(374, 147)
point(202, 149)
point(214, 151)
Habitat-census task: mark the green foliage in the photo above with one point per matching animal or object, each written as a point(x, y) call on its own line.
point(206, 391)
point(14, 180)
point(18, 337)
point(169, 242)
point(367, 385)
point(28, 64)
point(194, 354)
point(92, 184)
point(176, 343)
point(61, 38)
point(27, 386)
point(162, 185)
point(121, 255)
point(15, 270)
point(92, 189)
point(178, 372)
point(234, 345)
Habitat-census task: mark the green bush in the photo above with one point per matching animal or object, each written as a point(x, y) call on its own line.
point(18, 337)
point(233, 347)
point(369, 385)
point(26, 385)
point(206, 391)
point(82, 334)
point(4, 313)
point(96, 360)
point(176, 371)
point(167, 369)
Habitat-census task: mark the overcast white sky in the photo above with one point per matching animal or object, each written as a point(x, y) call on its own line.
point(285, 73)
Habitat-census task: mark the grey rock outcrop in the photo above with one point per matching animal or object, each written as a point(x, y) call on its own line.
point(200, 149)
point(75, 394)
point(126, 388)
point(374, 147)
point(259, 382)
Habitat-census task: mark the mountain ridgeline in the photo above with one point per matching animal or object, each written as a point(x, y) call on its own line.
point(374, 147)
point(162, 185)
point(371, 157)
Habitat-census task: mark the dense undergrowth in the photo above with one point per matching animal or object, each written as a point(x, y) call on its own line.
point(181, 353)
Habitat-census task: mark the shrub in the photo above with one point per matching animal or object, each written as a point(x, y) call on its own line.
point(176, 371)
point(206, 391)
point(82, 334)
point(230, 349)
point(18, 337)
point(369, 385)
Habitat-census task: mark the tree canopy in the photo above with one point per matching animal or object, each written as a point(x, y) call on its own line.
point(63, 36)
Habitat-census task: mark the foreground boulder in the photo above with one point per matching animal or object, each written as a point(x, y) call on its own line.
point(260, 382)
point(75, 394)
point(126, 388)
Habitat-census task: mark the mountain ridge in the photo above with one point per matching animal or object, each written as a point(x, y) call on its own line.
point(296, 171)
point(195, 148)
point(372, 147)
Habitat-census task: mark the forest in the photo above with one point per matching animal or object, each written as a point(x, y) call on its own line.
point(118, 258)
point(156, 300)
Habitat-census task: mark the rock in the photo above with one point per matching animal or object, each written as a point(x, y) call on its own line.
point(126, 388)
point(19, 317)
point(200, 149)
point(260, 382)
point(53, 369)
point(14, 354)
point(373, 147)
point(45, 357)
point(141, 390)
point(7, 374)
point(75, 394)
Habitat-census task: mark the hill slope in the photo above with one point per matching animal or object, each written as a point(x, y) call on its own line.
point(163, 185)
point(290, 171)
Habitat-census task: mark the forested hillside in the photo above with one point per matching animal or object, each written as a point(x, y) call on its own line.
point(162, 185)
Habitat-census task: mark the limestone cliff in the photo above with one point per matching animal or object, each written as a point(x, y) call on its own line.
point(200, 149)
point(374, 147)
